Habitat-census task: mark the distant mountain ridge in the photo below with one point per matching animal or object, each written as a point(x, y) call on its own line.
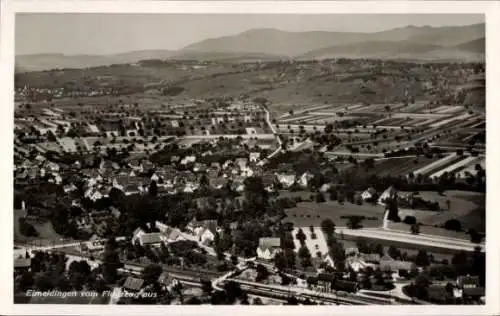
point(412, 42)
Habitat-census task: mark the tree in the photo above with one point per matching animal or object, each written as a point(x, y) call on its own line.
point(392, 208)
point(320, 198)
point(151, 273)
point(206, 286)
point(234, 259)
point(415, 229)
point(337, 253)
point(333, 194)
point(164, 253)
point(422, 259)
point(153, 189)
point(301, 237)
point(292, 300)
point(26, 228)
point(453, 224)
point(280, 261)
point(232, 291)
point(410, 220)
point(378, 248)
point(111, 262)
point(262, 273)
point(305, 257)
point(394, 252)
point(475, 237)
point(328, 227)
point(290, 258)
point(354, 222)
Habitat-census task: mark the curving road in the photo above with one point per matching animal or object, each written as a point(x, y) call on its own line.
point(275, 133)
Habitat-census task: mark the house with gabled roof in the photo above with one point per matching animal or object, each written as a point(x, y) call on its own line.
point(286, 180)
point(167, 282)
point(389, 194)
point(133, 284)
point(325, 282)
point(268, 247)
point(69, 188)
point(136, 164)
point(147, 166)
point(188, 159)
point(357, 264)
point(206, 233)
point(22, 264)
point(304, 179)
point(467, 281)
point(370, 257)
point(241, 163)
point(217, 183)
point(369, 194)
point(396, 265)
point(143, 238)
point(254, 157)
point(199, 167)
point(171, 234)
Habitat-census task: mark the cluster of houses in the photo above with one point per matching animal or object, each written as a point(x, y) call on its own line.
point(135, 286)
point(28, 93)
point(203, 232)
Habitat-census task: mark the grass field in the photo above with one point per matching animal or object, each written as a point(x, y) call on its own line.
point(467, 207)
point(46, 233)
point(400, 166)
point(310, 213)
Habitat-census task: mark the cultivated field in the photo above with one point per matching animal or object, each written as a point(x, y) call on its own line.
point(467, 207)
point(310, 213)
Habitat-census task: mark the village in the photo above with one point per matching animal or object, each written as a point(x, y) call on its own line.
point(226, 200)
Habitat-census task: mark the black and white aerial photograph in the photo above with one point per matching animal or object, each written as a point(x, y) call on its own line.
point(249, 159)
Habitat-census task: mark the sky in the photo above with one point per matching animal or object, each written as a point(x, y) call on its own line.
point(91, 33)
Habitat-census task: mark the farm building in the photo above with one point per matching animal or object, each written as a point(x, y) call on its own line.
point(268, 248)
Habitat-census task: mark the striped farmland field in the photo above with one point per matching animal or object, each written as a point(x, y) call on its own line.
point(464, 162)
point(449, 109)
point(451, 119)
point(296, 118)
point(400, 166)
point(470, 169)
point(446, 161)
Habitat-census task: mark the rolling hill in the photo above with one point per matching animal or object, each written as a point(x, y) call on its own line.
point(51, 61)
point(475, 46)
point(294, 44)
point(377, 49)
point(275, 42)
point(411, 42)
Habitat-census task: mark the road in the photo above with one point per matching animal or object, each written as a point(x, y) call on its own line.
point(355, 155)
point(56, 246)
point(268, 120)
point(406, 237)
